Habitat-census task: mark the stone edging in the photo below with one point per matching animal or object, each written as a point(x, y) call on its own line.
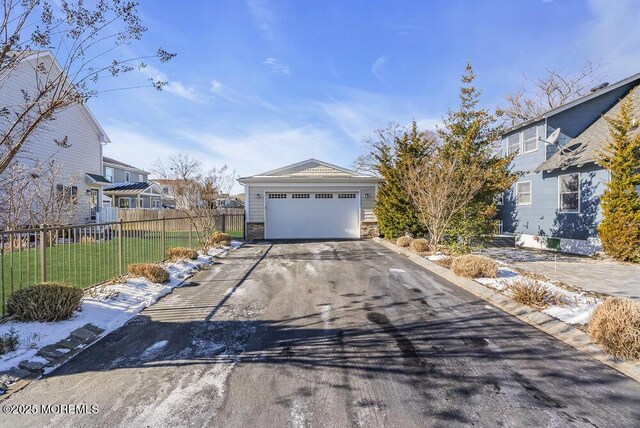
point(556, 328)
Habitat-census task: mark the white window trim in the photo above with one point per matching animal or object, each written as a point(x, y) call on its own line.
point(579, 194)
point(519, 149)
point(530, 193)
point(500, 200)
point(522, 142)
point(107, 176)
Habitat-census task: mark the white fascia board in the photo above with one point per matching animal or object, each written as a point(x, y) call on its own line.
point(271, 181)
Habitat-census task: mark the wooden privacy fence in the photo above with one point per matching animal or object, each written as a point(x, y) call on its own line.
point(88, 254)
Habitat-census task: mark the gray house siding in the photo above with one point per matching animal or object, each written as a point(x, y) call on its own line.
point(542, 216)
point(84, 154)
point(118, 174)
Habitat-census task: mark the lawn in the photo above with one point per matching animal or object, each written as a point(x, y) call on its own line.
point(84, 264)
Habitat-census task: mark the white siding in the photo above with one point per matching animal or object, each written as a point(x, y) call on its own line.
point(255, 205)
point(85, 151)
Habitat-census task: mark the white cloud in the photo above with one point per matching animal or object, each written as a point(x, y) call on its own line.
point(378, 67)
point(188, 92)
point(276, 67)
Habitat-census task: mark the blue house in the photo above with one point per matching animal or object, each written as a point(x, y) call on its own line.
point(555, 203)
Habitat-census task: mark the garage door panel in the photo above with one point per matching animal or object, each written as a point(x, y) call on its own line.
point(300, 215)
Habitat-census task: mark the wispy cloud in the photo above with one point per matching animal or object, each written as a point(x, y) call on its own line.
point(264, 17)
point(225, 92)
point(378, 67)
point(276, 67)
point(188, 92)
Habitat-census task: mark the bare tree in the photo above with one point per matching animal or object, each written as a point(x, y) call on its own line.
point(196, 192)
point(33, 196)
point(441, 187)
point(85, 41)
point(554, 89)
point(181, 166)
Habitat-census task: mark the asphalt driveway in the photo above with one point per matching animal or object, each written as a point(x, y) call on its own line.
point(329, 334)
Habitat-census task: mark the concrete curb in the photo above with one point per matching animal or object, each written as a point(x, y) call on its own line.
point(564, 332)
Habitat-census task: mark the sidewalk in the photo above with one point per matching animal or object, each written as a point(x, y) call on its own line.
point(617, 279)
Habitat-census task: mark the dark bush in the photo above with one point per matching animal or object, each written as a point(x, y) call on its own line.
point(46, 302)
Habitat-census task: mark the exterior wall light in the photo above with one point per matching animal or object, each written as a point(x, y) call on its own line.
point(366, 195)
point(258, 195)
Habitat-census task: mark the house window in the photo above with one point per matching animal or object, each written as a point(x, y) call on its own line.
point(529, 140)
point(67, 194)
point(523, 193)
point(499, 198)
point(155, 203)
point(108, 173)
point(569, 193)
point(123, 202)
point(324, 195)
point(277, 196)
point(127, 177)
point(346, 195)
point(513, 144)
point(300, 196)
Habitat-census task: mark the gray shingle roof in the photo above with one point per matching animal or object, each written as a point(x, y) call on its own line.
point(584, 148)
point(141, 185)
point(98, 178)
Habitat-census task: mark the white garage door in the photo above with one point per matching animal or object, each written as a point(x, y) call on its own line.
point(312, 215)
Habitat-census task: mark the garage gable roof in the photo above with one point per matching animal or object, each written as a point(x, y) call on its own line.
point(310, 169)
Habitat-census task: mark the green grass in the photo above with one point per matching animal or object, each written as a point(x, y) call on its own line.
point(89, 263)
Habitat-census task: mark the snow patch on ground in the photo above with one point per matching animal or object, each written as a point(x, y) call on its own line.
point(397, 270)
point(574, 307)
point(154, 349)
point(107, 307)
point(436, 257)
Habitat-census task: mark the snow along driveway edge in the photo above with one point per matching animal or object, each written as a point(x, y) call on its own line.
point(564, 332)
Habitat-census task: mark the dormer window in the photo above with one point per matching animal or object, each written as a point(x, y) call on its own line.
point(127, 177)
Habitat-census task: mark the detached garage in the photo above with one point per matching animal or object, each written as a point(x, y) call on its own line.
point(310, 200)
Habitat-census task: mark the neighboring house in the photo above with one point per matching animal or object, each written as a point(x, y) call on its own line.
point(168, 187)
point(81, 161)
point(555, 204)
point(310, 199)
point(129, 186)
point(227, 201)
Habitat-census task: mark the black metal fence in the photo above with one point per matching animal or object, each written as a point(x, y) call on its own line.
point(88, 254)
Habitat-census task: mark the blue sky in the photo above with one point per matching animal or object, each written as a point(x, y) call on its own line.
point(258, 84)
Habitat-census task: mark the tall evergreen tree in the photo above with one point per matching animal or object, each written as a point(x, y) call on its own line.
point(472, 136)
point(392, 154)
point(620, 227)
